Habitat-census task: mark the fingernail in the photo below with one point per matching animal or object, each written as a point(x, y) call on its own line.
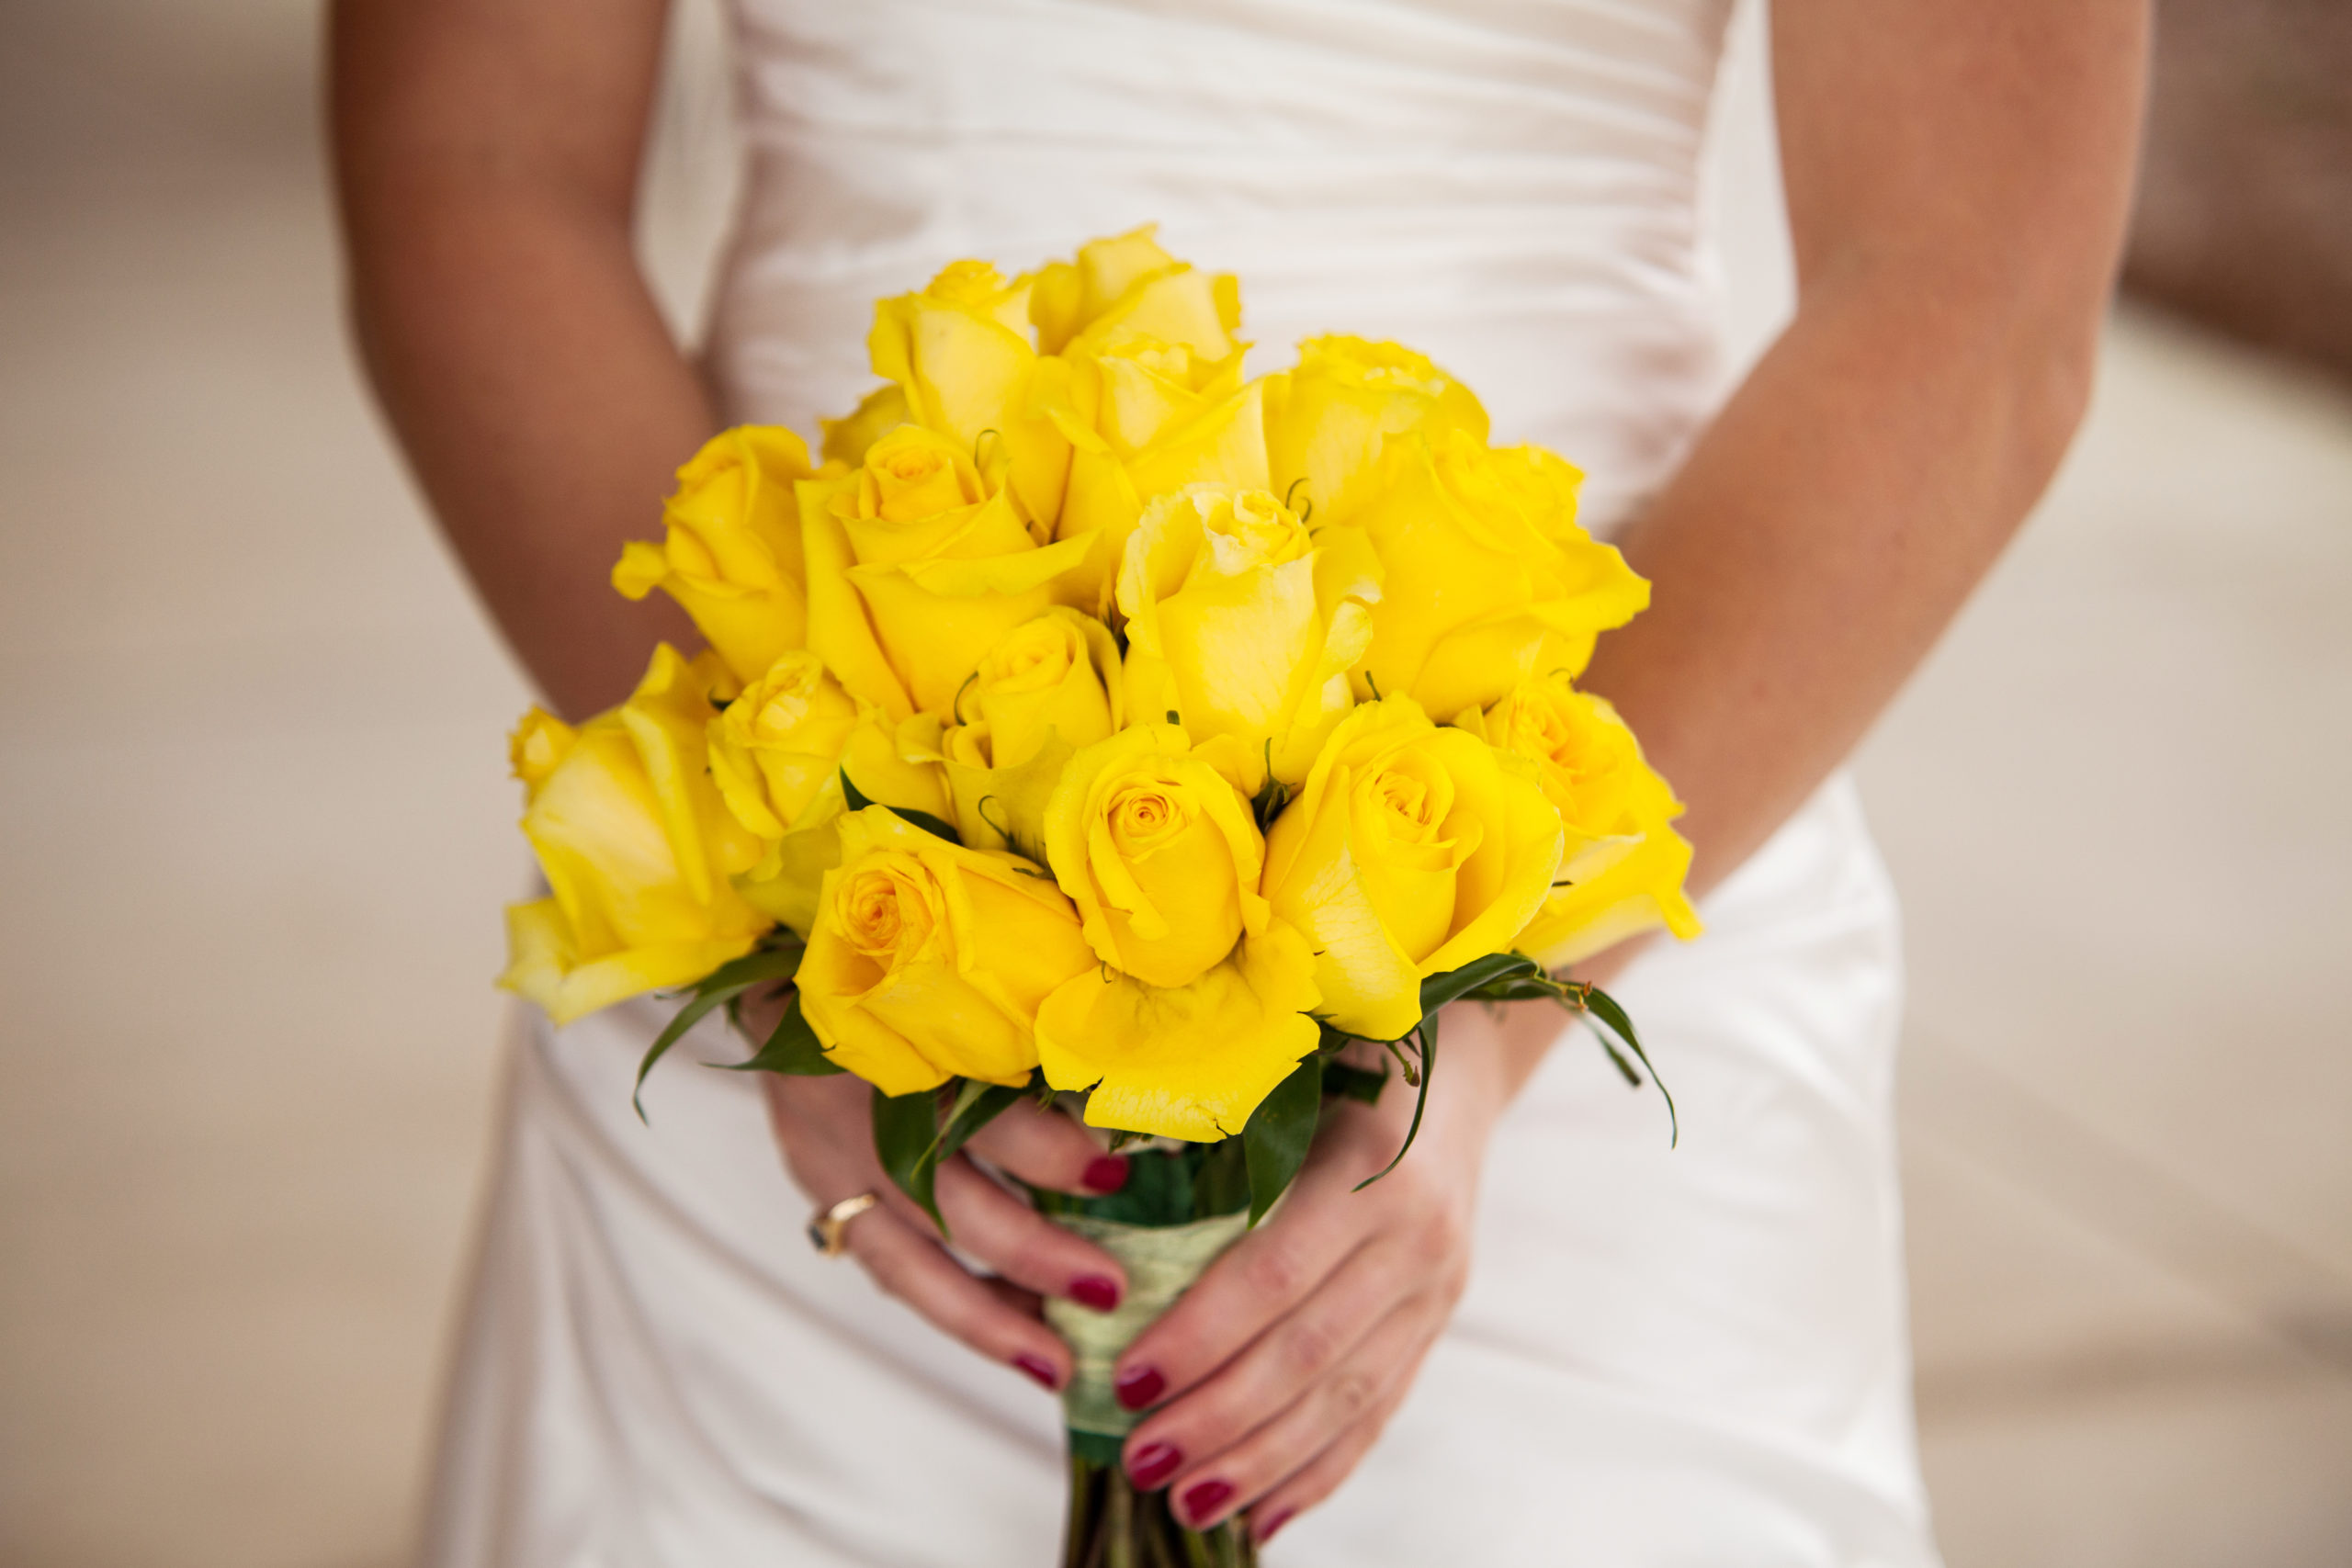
point(1205, 1498)
point(1043, 1370)
point(1266, 1531)
point(1138, 1387)
point(1153, 1463)
point(1105, 1173)
point(1095, 1291)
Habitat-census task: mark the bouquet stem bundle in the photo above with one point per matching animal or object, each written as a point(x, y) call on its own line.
point(1181, 1209)
point(1111, 1525)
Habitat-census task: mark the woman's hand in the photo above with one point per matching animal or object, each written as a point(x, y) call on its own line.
point(1279, 1368)
point(824, 1126)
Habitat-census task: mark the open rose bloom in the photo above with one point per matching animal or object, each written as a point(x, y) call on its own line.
point(1096, 723)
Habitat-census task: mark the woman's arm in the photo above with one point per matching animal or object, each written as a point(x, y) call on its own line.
point(486, 153)
point(1958, 176)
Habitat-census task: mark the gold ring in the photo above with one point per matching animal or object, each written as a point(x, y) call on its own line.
point(829, 1232)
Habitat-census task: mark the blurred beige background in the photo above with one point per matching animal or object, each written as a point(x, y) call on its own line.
point(254, 832)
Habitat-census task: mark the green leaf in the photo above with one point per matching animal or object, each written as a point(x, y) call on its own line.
point(972, 1112)
point(792, 1049)
point(1495, 968)
point(1277, 1134)
point(915, 1167)
point(721, 986)
point(906, 1132)
point(1600, 1005)
point(1429, 1070)
point(858, 800)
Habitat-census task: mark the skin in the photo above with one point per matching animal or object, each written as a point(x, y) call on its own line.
point(1957, 178)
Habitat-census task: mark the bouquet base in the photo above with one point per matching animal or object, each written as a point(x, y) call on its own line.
point(1111, 1525)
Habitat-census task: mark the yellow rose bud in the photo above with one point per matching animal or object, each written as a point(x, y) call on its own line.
point(1055, 676)
point(959, 351)
point(918, 567)
point(846, 439)
point(929, 961)
point(1128, 286)
point(1623, 868)
point(1191, 1062)
point(1412, 850)
point(1160, 852)
point(637, 848)
point(1329, 421)
point(1144, 417)
point(732, 556)
point(1051, 686)
point(1239, 624)
point(1505, 588)
point(773, 748)
point(773, 766)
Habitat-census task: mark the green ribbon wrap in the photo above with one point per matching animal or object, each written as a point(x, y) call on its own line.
point(1161, 1262)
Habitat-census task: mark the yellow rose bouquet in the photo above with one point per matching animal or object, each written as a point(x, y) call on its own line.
point(1092, 723)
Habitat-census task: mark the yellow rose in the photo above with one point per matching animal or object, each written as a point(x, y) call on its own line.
point(732, 556)
point(774, 748)
point(1143, 418)
point(1160, 852)
point(1190, 1063)
point(959, 351)
point(1239, 624)
point(637, 847)
point(777, 754)
point(918, 566)
point(1055, 676)
point(1412, 850)
point(1129, 287)
point(929, 960)
point(1623, 867)
point(1050, 687)
point(1504, 587)
point(846, 439)
point(1329, 421)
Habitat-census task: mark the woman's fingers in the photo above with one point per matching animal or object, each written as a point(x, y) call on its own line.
point(1046, 1149)
point(913, 1268)
point(1265, 1275)
point(821, 1126)
point(1329, 1427)
point(1022, 1244)
point(1280, 1367)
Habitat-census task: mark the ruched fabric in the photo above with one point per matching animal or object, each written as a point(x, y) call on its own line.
point(1687, 1357)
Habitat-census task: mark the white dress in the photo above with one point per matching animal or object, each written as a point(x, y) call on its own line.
point(1694, 1356)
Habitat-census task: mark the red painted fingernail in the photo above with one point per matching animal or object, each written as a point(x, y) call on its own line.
point(1205, 1498)
point(1105, 1173)
point(1153, 1463)
point(1266, 1531)
point(1043, 1370)
point(1138, 1386)
point(1095, 1291)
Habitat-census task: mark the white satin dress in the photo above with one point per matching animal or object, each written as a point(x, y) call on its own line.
point(1686, 1358)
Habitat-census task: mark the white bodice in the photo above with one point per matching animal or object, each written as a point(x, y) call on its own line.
point(1509, 185)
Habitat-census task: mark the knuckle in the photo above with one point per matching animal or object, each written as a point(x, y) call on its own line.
point(1310, 1346)
point(1273, 1272)
point(1353, 1394)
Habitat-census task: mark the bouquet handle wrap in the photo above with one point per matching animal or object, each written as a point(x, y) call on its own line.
point(1161, 1262)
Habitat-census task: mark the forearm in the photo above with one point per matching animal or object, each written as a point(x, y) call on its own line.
point(543, 407)
point(1819, 539)
point(1958, 179)
point(516, 349)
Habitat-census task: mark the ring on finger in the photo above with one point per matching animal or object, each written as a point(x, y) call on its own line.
point(829, 1232)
